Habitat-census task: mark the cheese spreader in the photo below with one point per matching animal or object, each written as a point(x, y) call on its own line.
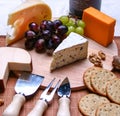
point(26, 85)
point(64, 92)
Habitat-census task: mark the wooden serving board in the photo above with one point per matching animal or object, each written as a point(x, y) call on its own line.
point(41, 63)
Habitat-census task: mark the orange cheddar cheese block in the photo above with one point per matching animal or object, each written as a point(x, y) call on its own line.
point(13, 59)
point(99, 26)
point(27, 12)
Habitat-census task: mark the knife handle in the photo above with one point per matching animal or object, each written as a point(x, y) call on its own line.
point(64, 107)
point(39, 108)
point(14, 107)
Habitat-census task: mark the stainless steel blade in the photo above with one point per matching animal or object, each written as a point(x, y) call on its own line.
point(64, 92)
point(64, 89)
point(28, 83)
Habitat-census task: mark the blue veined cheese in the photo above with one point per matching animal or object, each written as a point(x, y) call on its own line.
point(71, 49)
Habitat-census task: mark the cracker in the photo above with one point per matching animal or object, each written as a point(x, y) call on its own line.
point(100, 79)
point(87, 75)
point(89, 103)
point(113, 90)
point(108, 109)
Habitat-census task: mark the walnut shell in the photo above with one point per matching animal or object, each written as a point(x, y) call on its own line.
point(116, 62)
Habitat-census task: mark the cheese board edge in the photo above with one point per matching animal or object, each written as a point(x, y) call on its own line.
point(76, 82)
point(80, 84)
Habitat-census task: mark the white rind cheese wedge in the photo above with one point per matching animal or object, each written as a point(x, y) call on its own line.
point(13, 59)
point(71, 49)
point(27, 12)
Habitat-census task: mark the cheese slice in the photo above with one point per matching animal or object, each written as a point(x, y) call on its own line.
point(71, 49)
point(19, 18)
point(13, 59)
point(99, 26)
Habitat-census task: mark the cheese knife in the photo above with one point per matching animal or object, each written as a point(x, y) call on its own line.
point(64, 93)
point(25, 86)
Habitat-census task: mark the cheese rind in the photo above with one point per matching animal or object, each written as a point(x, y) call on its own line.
point(99, 26)
point(71, 49)
point(27, 12)
point(13, 59)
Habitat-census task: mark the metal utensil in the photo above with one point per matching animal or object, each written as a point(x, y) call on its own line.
point(26, 85)
point(44, 100)
point(64, 93)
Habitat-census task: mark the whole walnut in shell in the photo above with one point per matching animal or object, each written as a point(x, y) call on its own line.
point(116, 62)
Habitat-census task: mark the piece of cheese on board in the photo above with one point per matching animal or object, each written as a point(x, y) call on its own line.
point(71, 49)
point(27, 12)
point(13, 59)
point(99, 26)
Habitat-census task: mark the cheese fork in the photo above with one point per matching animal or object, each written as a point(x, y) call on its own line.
point(44, 100)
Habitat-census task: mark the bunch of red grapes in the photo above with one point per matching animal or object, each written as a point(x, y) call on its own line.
point(46, 36)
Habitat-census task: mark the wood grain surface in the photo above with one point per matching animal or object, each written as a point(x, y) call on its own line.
point(41, 64)
point(8, 94)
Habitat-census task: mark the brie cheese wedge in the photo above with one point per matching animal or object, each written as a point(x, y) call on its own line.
point(71, 49)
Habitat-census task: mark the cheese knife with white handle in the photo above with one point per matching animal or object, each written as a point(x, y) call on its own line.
point(25, 86)
point(64, 93)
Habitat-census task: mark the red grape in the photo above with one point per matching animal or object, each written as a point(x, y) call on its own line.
point(43, 24)
point(30, 34)
point(29, 44)
point(56, 40)
point(40, 46)
point(46, 36)
point(57, 23)
point(50, 26)
point(62, 29)
point(34, 27)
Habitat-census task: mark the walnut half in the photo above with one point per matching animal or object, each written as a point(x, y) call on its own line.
point(96, 60)
point(102, 55)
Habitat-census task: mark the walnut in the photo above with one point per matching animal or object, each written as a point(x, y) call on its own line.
point(116, 62)
point(96, 60)
point(102, 55)
point(92, 55)
point(98, 64)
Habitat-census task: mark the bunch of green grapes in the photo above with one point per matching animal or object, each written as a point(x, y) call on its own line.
point(74, 25)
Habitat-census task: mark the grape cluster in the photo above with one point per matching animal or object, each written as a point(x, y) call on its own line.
point(74, 24)
point(46, 36)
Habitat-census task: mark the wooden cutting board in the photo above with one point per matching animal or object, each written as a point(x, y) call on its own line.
point(74, 71)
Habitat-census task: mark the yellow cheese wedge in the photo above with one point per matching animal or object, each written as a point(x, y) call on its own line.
point(13, 59)
point(19, 19)
point(99, 26)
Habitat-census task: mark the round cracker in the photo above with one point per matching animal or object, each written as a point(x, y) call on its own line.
point(87, 75)
point(108, 109)
point(89, 103)
point(113, 90)
point(100, 79)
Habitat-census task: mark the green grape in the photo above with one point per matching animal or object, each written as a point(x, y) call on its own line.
point(79, 30)
point(70, 29)
point(80, 23)
point(64, 19)
point(71, 22)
